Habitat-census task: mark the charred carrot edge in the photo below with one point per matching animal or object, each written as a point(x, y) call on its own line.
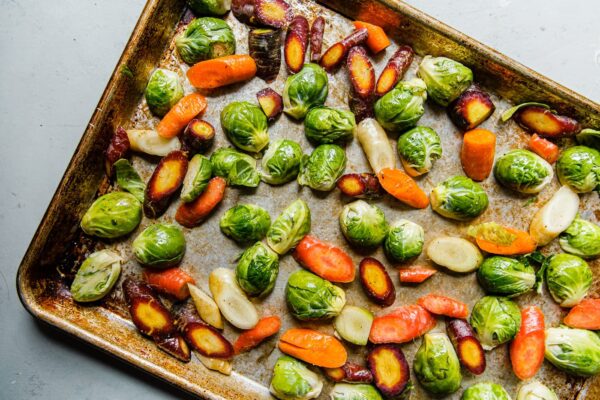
point(270, 102)
point(362, 108)
point(376, 282)
point(543, 148)
point(191, 214)
point(313, 347)
point(172, 281)
point(364, 185)
point(186, 109)
point(296, 41)
point(198, 136)
point(415, 274)
point(402, 187)
point(377, 40)
point(391, 373)
point(266, 327)
point(148, 313)
point(585, 315)
point(264, 46)
point(523, 244)
point(471, 108)
point(222, 71)
point(527, 348)
point(273, 13)
point(477, 153)
point(243, 10)
point(333, 56)
point(174, 345)
point(324, 259)
point(394, 70)
point(362, 73)
point(443, 305)
point(349, 372)
point(118, 148)
point(316, 38)
point(164, 182)
point(545, 123)
point(467, 346)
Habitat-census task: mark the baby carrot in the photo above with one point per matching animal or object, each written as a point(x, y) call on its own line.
point(377, 39)
point(543, 148)
point(415, 274)
point(181, 114)
point(171, 281)
point(401, 325)
point(527, 348)
point(267, 326)
point(442, 305)
point(222, 71)
point(191, 214)
point(402, 187)
point(585, 315)
point(477, 154)
point(313, 347)
point(324, 259)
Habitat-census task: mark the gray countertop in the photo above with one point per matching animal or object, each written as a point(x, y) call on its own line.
point(56, 59)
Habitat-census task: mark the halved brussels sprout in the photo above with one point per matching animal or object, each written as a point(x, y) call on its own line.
point(402, 107)
point(323, 167)
point(312, 298)
point(245, 223)
point(575, 351)
point(495, 320)
point(436, 365)
point(523, 171)
point(245, 125)
point(505, 276)
point(579, 168)
point(204, 39)
point(418, 149)
point(196, 178)
point(363, 224)
point(96, 276)
point(112, 215)
point(304, 90)
point(290, 227)
point(163, 90)
point(459, 198)
point(159, 246)
point(581, 238)
point(568, 277)
point(361, 391)
point(237, 168)
point(535, 390)
point(590, 138)
point(446, 79)
point(128, 179)
point(485, 391)
point(404, 240)
point(209, 7)
point(257, 270)
point(329, 125)
point(292, 380)
point(281, 162)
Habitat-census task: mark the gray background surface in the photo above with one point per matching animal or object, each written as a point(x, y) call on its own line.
point(56, 57)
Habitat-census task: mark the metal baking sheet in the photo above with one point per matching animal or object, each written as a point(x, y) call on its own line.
point(107, 325)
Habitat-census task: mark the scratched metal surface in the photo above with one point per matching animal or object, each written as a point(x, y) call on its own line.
point(107, 325)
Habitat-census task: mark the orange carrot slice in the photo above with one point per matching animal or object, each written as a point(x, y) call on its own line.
point(442, 305)
point(324, 259)
point(477, 154)
point(191, 214)
point(401, 325)
point(377, 39)
point(543, 148)
point(313, 347)
point(222, 71)
point(266, 327)
point(171, 281)
point(402, 187)
point(181, 114)
point(497, 239)
point(585, 315)
point(527, 348)
point(415, 274)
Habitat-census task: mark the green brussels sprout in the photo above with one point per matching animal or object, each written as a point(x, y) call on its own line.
point(402, 107)
point(113, 215)
point(237, 168)
point(404, 241)
point(310, 297)
point(163, 90)
point(568, 278)
point(329, 125)
point(505, 276)
point(590, 138)
point(305, 90)
point(495, 320)
point(523, 171)
point(245, 223)
point(281, 162)
point(581, 238)
point(418, 150)
point(245, 125)
point(257, 270)
point(96, 276)
point(446, 79)
point(292, 380)
point(485, 391)
point(436, 365)
point(575, 351)
point(323, 167)
point(209, 7)
point(204, 39)
point(459, 198)
point(361, 391)
point(129, 180)
point(290, 227)
point(363, 224)
point(159, 246)
point(196, 179)
point(579, 168)
point(535, 390)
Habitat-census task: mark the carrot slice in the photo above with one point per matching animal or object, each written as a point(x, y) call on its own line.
point(222, 71)
point(497, 239)
point(527, 348)
point(313, 347)
point(191, 214)
point(401, 325)
point(477, 154)
point(442, 305)
point(324, 259)
point(415, 274)
point(402, 187)
point(543, 148)
point(171, 281)
point(266, 327)
point(181, 114)
point(585, 315)
point(377, 39)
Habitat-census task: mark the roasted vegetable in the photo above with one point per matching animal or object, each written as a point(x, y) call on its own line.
point(402, 325)
point(402, 107)
point(555, 216)
point(324, 259)
point(445, 79)
point(281, 162)
point(296, 42)
point(198, 136)
point(118, 148)
point(174, 345)
point(264, 45)
point(349, 372)
point(469, 350)
point(419, 149)
point(163, 91)
point(150, 142)
point(312, 298)
point(304, 90)
point(442, 305)
point(266, 327)
point(216, 364)
point(354, 324)
point(436, 365)
point(543, 148)
point(459, 198)
point(402, 187)
point(329, 125)
point(245, 223)
point(471, 108)
point(293, 381)
point(589, 137)
point(270, 102)
point(289, 227)
point(233, 303)
point(191, 214)
point(361, 71)
point(362, 186)
point(579, 168)
point(575, 351)
point(377, 39)
point(535, 390)
point(568, 277)
point(505, 276)
point(477, 153)
point(335, 55)
point(376, 145)
point(129, 180)
point(495, 320)
point(96, 277)
point(171, 281)
point(344, 391)
point(404, 240)
point(497, 239)
point(485, 391)
point(527, 348)
point(376, 282)
point(273, 13)
point(313, 347)
point(243, 10)
point(394, 70)
point(159, 246)
point(257, 270)
point(209, 7)
point(237, 168)
point(245, 125)
point(323, 167)
point(148, 313)
point(581, 238)
point(391, 374)
point(166, 179)
point(585, 315)
point(540, 119)
point(206, 306)
point(316, 38)
point(222, 71)
point(179, 116)
point(416, 274)
point(523, 171)
point(456, 254)
point(112, 215)
point(363, 224)
point(362, 108)
point(196, 179)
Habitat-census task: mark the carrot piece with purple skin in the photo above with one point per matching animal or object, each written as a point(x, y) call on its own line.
point(296, 42)
point(394, 70)
point(316, 38)
point(334, 56)
point(166, 179)
point(362, 73)
point(467, 346)
point(270, 102)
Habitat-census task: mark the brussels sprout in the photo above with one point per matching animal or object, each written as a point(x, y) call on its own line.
point(495, 320)
point(363, 224)
point(323, 167)
point(579, 168)
point(209, 7)
point(485, 391)
point(304, 90)
point(446, 79)
point(163, 90)
point(418, 149)
point(197, 177)
point(459, 198)
point(96, 276)
point(128, 179)
point(245, 223)
point(237, 168)
point(436, 365)
point(404, 240)
point(568, 278)
point(311, 298)
point(581, 238)
point(523, 171)
point(290, 227)
point(159, 246)
point(112, 215)
point(292, 380)
point(505, 276)
point(361, 391)
point(535, 390)
point(402, 107)
point(205, 38)
point(257, 270)
point(329, 125)
point(281, 162)
point(590, 138)
point(245, 125)
point(575, 351)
